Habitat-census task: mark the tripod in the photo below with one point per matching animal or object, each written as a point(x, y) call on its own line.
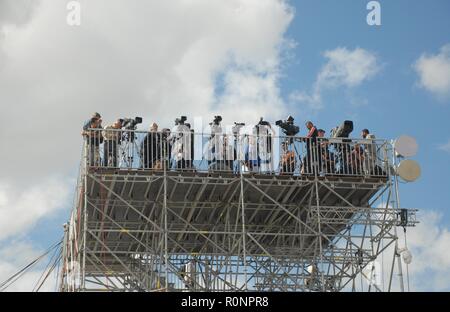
point(289, 143)
point(129, 148)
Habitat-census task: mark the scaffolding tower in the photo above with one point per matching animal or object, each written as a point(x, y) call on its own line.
point(194, 228)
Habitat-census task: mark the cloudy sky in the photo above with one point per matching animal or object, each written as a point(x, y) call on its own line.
point(317, 60)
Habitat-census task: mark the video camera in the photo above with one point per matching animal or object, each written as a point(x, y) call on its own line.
point(288, 126)
point(237, 128)
point(263, 122)
point(216, 121)
point(130, 123)
point(342, 131)
point(180, 121)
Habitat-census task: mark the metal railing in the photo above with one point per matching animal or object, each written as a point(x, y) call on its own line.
point(264, 154)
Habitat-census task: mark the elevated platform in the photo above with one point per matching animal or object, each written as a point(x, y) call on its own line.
point(278, 210)
point(221, 227)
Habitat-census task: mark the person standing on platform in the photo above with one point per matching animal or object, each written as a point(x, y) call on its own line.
point(311, 152)
point(112, 136)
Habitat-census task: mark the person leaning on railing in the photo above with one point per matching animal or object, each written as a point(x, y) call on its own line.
point(311, 144)
point(112, 136)
point(95, 117)
point(93, 138)
point(326, 159)
point(356, 160)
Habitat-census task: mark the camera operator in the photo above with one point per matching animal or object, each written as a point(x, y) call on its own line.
point(287, 159)
point(112, 136)
point(151, 149)
point(229, 152)
point(94, 138)
point(327, 162)
point(311, 145)
point(166, 148)
point(252, 160)
point(371, 165)
point(215, 145)
point(180, 139)
point(95, 117)
point(265, 132)
point(356, 160)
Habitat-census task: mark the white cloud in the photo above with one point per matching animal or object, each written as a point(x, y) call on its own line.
point(347, 68)
point(16, 12)
point(21, 209)
point(445, 147)
point(344, 68)
point(16, 255)
point(429, 243)
point(155, 59)
point(434, 72)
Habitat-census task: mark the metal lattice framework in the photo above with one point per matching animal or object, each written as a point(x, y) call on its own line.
point(164, 229)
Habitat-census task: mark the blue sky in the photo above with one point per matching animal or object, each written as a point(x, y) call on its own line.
point(395, 104)
point(390, 102)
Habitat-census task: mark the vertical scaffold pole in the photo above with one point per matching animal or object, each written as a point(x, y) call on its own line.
point(166, 252)
point(396, 254)
point(86, 163)
point(315, 167)
point(243, 229)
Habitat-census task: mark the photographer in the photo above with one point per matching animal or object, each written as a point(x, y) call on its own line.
point(94, 138)
point(112, 136)
point(311, 148)
point(371, 164)
point(356, 160)
point(95, 117)
point(325, 156)
point(151, 149)
point(287, 160)
point(180, 139)
point(215, 145)
point(229, 153)
point(265, 133)
point(166, 148)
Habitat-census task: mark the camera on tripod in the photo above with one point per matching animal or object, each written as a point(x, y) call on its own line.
point(131, 125)
point(237, 128)
point(263, 122)
point(180, 121)
point(342, 131)
point(288, 126)
point(216, 121)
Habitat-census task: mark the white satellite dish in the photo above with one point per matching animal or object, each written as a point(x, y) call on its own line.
point(408, 170)
point(406, 146)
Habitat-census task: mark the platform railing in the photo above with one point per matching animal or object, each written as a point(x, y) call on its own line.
point(236, 153)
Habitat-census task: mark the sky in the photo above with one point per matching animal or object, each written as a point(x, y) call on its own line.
point(315, 60)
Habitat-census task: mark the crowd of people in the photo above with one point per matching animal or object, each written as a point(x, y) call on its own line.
point(247, 152)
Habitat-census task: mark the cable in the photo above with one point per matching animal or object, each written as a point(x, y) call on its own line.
point(46, 268)
point(57, 260)
point(11, 280)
